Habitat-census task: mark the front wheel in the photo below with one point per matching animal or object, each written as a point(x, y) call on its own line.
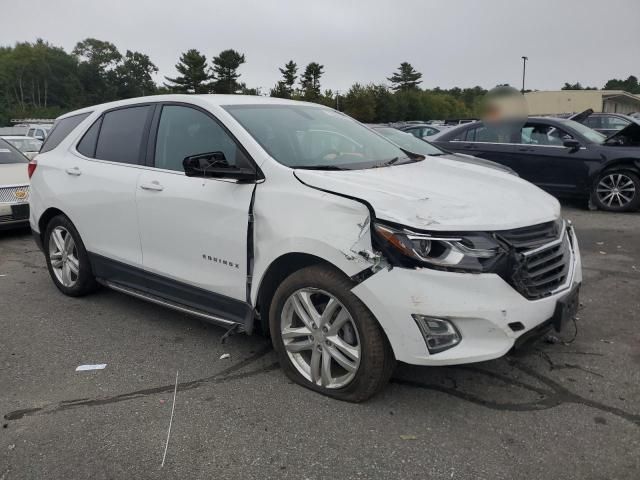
point(617, 192)
point(325, 337)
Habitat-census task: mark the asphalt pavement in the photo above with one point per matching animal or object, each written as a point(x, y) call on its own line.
point(567, 410)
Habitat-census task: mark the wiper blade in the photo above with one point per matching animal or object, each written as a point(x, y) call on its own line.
point(319, 167)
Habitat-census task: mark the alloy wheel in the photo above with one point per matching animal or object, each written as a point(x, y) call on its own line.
point(321, 338)
point(63, 255)
point(616, 190)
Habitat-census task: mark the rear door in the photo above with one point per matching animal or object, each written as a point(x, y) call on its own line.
point(101, 182)
point(491, 144)
point(194, 230)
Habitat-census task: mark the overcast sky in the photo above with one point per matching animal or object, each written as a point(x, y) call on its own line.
point(452, 42)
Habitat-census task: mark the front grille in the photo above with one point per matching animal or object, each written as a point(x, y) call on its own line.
point(542, 258)
point(13, 194)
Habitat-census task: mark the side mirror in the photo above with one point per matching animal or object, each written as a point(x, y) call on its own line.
point(215, 165)
point(571, 144)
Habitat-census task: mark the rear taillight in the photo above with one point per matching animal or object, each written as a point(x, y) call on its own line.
point(33, 163)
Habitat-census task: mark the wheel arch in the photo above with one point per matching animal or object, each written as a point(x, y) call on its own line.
point(617, 165)
point(46, 217)
point(276, 272)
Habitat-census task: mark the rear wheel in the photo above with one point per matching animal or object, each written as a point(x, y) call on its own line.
point(617, 192)
point(325, 337)
point(67, 259)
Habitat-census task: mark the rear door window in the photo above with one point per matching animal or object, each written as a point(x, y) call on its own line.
point(122, 134)
point(61, 129)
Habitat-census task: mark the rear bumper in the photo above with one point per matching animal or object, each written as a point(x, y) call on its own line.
point(481, 306)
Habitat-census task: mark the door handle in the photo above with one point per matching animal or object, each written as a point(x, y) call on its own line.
point(155, 186)
point(75, 171)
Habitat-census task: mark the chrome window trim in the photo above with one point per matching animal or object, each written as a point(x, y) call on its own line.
point(516, 144)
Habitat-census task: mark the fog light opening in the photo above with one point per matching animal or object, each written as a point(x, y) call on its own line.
point(439, 334)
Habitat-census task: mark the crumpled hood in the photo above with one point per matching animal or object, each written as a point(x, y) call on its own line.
point(441, 194)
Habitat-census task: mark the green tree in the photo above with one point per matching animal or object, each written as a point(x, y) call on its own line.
point(193, 77)
point(310, 81)
point(630, 85)
point(576, 86)
point(134, 75)
point(96, 69)
point(289, 76)
point(225, 71)
point(406, 78)
point(37, 79)
point(360, 103)
point(285, 88)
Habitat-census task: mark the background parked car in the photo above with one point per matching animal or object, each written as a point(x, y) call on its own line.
point(422, 147)
point(29, 146)
point(423, 130)
point(39, 131)
point(605, 123)
point(14, 187)
point(564, 157)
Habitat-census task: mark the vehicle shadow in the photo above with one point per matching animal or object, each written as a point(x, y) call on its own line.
point(521, 381)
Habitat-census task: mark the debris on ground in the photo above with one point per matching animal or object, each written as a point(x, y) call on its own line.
point(408, 437)
point(224, 356)
point(552, 339)
point(84, 368)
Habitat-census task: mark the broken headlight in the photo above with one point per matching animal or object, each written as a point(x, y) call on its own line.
point(472, 252)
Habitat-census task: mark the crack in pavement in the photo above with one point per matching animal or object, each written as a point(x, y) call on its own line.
point(220, 377)
point(552, 396)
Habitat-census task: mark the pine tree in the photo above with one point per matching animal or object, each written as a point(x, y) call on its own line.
point(406, 78)
point(193, 74)
point(310, 81)
point(225, 71)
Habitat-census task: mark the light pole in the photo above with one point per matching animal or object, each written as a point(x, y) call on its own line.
point(524, 70)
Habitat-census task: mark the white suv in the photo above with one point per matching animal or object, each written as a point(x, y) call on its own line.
point(266, 214)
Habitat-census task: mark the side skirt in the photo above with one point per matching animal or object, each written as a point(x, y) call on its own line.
point(212, 307)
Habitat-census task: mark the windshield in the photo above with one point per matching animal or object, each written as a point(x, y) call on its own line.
point(302, 136)
point(8, 154)
point(25, 144)
point(408, 141)
point(588, 133)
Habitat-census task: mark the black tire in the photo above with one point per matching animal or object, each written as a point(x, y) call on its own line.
point(612, 204)
point(376, 357)
point(85, 281)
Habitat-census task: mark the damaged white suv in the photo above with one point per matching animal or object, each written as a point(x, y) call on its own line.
point(259, 213)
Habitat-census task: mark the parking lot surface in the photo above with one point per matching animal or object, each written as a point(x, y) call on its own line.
point(553, 410)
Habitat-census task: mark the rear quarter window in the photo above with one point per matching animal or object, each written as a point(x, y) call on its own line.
point(61, 129)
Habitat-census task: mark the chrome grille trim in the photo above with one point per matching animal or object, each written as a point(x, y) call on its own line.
point(8, 194)
point(546, 269)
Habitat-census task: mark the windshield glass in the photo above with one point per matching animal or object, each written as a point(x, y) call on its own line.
point(8, 154)
point(302, 136)
point(588, 133)
point(25, 144)
point(408, 141)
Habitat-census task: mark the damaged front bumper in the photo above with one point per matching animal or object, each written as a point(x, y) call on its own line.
point(481, 306)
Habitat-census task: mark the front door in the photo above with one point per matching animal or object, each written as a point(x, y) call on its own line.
point(193, 230)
